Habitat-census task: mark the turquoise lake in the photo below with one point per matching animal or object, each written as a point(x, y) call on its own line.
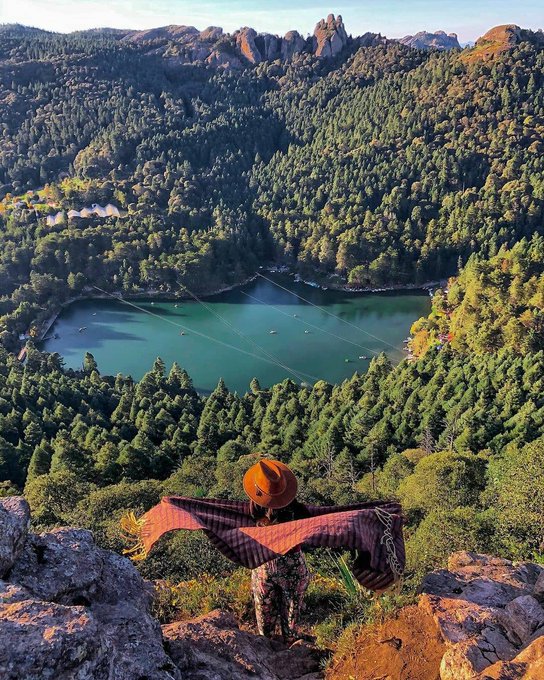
point(230, 337)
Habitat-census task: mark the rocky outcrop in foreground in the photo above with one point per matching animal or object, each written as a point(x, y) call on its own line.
point(480, 619)
point(490, 614)
point(69, 609)
point(72, 611)
point(212, 647)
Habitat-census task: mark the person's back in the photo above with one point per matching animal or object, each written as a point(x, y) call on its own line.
point(278, 585)
point(241, 531)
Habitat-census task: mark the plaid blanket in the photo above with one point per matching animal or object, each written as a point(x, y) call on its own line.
point(373, 530)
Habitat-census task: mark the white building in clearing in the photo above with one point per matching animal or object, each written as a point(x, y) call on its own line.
point(53, 220)
point(112, 211)
point(109, 210)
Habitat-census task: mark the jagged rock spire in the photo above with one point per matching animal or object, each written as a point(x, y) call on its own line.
point(330, 37)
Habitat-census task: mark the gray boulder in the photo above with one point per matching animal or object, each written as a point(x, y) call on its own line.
point(14, 522)
point(538, 591)
point(212, 647)
point(63, 566)
point(70, 610)
point(521, 617)
point(488, 613)
point(47, 641)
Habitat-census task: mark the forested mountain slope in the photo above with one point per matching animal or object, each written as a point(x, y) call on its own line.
point(492, 304)
point(382, 164)
point(408, 163)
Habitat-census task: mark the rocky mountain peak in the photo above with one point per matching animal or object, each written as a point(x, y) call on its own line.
point(245, 40)
point(509, 34)
point(291, 44)
point(186, 44)
point(440, 40)
point(212, 33)
point(502, 39)
point(330, 37)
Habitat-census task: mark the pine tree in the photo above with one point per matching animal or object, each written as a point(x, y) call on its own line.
point(40, 461)
point(89, 363)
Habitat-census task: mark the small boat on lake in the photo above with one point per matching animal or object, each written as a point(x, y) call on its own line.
point(182, 332)
point(83, 328)
point(306, 332)
point(363, 357)
point(273, 332)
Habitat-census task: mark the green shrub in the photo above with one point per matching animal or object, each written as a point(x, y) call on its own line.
point(444, 480)
point(516, 490)
point(176, 602)
point(443, 532)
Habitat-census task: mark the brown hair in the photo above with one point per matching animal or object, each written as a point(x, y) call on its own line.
point(295, 510)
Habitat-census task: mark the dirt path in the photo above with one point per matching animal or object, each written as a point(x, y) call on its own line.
point(406, 648)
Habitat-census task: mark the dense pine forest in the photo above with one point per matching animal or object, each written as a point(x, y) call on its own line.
point(384, 165)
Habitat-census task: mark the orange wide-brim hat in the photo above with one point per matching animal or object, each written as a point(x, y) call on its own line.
point(270, 484)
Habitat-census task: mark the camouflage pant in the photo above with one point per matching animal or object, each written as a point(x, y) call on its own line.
point(278, 589)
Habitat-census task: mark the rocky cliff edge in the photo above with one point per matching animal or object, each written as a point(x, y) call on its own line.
point(480, 619)
point(72, 611)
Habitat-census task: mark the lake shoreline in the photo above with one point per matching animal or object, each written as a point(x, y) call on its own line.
point(345, 288)
point(326, 335)
point(161, 295)
point(145, 294)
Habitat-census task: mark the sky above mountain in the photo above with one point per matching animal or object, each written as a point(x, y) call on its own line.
point(394, 18)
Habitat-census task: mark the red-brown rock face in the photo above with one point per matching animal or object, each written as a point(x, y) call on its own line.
point(245, 40)
point(330, 37)
point(480, 619)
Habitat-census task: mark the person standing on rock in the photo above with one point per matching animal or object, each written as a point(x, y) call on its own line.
point(267, 533)
point(278, 585)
